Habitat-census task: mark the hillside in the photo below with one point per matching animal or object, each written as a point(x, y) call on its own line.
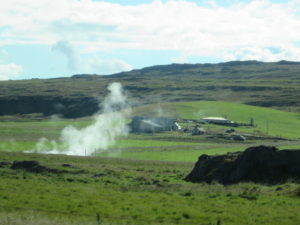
point(274, 122)
point(273, 85)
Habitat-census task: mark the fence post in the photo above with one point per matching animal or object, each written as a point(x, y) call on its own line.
point(98, 219)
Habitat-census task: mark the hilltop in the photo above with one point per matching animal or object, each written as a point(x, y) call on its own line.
point(256, 83)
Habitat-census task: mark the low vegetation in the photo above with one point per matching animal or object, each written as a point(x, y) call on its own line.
point(126, 191)
point(140, 178)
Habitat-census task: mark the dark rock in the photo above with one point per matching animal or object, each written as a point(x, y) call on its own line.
point(67, 165)
point(98, 175)
point(198, 131)
point(33, 166)
point(5, 163)
point(230, 130)
point(297, 192)
point(261, 164)
point(239, 138)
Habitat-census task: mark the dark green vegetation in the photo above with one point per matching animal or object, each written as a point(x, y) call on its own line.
point(256, 83)
point(143, 183)
point(133, 192)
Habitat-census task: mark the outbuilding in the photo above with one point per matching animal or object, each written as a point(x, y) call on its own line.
point(153, 125)
point(217, 120)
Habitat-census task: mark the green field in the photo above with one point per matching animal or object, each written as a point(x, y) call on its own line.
point(268, 121)
point(126, 191)
point(169, 146)
point(139, 179)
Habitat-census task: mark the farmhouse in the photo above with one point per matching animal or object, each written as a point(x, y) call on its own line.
point(217, 120)
point(153, 125)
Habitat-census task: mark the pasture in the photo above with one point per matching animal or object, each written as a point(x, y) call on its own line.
point(168, 146)
point(127, 191)
point(139, 178)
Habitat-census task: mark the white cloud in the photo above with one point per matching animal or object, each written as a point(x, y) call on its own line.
point(10, 71)
point(240, 31)
point(78, 63)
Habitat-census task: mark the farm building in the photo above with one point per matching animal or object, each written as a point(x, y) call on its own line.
point(153, 125)
point(198, 130)
point(217, 120)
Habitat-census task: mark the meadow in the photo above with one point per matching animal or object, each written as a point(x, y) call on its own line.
point(170, 146)
point(127, 191)
point(139, 178)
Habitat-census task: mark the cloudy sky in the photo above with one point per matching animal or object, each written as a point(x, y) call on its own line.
point(54, 38)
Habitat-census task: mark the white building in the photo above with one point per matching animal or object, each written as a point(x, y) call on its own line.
point(217, 120)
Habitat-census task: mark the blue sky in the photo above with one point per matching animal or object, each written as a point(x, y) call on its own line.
point(55, 38)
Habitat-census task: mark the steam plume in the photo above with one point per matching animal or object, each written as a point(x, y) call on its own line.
point(107, 127)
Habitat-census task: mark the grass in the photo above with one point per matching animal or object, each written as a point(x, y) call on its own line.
point(143, 182)
point(174, 155)
point(134, 143)
point(135, 192)
point(268, 121)
point(167, 146)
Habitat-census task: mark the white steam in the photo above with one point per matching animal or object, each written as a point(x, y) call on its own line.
point(109, 124)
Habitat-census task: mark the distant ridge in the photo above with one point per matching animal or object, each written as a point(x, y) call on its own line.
point(268, 84)
point(172, 68)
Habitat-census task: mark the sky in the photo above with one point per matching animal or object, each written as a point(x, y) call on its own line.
point(60, 38)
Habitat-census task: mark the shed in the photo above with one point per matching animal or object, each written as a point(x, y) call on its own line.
point(217, 120)
point(153, 125)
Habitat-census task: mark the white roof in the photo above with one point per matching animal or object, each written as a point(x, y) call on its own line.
point(214, 118)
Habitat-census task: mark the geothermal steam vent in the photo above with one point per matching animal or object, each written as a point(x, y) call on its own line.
point(262, 164)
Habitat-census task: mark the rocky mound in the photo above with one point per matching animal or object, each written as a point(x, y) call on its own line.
point(261, 164)
point(33, 166)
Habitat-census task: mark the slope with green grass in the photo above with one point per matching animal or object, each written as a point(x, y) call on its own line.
point(268, 121)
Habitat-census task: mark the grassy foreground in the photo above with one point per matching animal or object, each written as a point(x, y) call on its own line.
point(125, 191)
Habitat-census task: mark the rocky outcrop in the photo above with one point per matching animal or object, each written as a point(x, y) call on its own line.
point(67, 107)
point(261, 164)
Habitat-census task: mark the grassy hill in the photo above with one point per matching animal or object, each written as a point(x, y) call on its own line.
point(267, 120)
point(255, 83)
